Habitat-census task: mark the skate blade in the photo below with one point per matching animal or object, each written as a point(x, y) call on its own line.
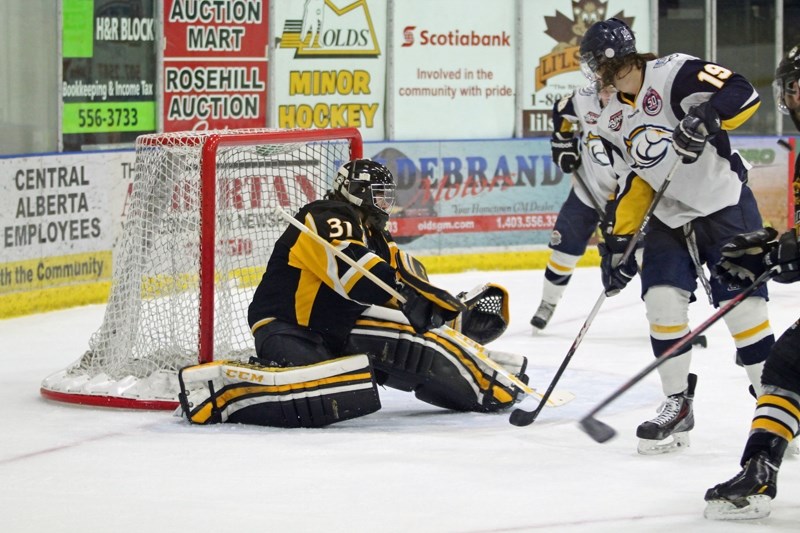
point(793, 449)
point(674, 443)
point(758, 506)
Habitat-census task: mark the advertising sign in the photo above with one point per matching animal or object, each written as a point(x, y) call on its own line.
point(550, 53)
point(458, 196)
point(215, 64)
point(108, 58)
point(453, 69)
point(330, 66)
point(59, 216)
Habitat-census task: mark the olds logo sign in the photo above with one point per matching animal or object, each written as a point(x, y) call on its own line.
point(332, 28)
point(567, 32)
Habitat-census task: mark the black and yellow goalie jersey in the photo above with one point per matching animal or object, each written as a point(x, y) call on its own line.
point(306, 284)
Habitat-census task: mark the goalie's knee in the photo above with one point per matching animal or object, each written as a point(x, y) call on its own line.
point(308, 396)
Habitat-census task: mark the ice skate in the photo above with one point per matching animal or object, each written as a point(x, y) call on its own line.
point(792, 449)
point(747, 495)
point(669, 431)
point(542, 316)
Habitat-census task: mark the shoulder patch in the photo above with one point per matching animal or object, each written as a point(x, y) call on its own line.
point(661, 61)
point(652, 102)
point(615, 122)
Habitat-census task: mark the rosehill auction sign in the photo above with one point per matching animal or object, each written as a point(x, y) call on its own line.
point(215, 64)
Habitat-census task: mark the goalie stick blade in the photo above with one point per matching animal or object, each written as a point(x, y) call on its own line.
point(559, 398)
point(599, 431)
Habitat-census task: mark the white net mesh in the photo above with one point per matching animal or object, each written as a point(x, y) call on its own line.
point(157, 309)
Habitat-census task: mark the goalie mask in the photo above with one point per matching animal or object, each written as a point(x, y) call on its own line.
point(603, 47)
point(369, 186)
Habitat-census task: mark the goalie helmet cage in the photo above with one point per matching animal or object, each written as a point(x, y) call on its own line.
point(195, 242)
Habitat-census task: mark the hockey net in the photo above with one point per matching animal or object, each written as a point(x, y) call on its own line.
point(199, 230)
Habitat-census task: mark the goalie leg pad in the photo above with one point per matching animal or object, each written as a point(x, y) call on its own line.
point(435, 366)
point(309, 396)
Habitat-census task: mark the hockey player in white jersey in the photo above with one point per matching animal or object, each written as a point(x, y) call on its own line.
point(578, 150)
point(676, 107)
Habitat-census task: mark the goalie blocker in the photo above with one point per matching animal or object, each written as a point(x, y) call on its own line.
point(484, 314)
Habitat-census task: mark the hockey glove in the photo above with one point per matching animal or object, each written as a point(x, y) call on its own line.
point(422, 313)
point(616, 275)
point(784, 259)
point(566, 151)
point(700, 124)
point(743, 258)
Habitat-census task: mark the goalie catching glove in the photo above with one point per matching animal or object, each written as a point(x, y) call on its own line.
point(486, 315)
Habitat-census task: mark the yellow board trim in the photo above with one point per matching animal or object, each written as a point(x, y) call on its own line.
point(26, 302)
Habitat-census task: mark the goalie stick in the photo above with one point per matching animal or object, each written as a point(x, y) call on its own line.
point(478, 350)
point(521, 417)
point(602, 432)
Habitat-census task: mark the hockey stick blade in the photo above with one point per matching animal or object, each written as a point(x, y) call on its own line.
point(521, 417)
point(599, 431)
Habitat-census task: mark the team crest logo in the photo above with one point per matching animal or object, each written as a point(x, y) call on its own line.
point(555, 238)
point(615, 122)
point(596, 149)
point(591, 118)
point(652, 102)
point(648, 145)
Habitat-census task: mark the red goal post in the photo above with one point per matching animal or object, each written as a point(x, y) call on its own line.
point(199, 230)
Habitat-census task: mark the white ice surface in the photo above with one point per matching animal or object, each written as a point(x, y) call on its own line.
point(409, 467)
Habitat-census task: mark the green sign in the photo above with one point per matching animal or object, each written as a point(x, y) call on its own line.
point(77, 39)
point(109, 72)
point(108, 117)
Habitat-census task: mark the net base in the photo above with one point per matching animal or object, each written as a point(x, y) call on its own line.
point(158, 391)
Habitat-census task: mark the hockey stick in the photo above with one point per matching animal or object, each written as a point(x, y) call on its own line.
point(520, 417)
point(478, 350)
point(602, 432)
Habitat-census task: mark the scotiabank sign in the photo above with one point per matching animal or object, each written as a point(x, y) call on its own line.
point(215, 64)
point(454, 38)
point(454, 68)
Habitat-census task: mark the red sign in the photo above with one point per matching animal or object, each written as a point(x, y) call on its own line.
point(416, 226)
point(215, 64)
